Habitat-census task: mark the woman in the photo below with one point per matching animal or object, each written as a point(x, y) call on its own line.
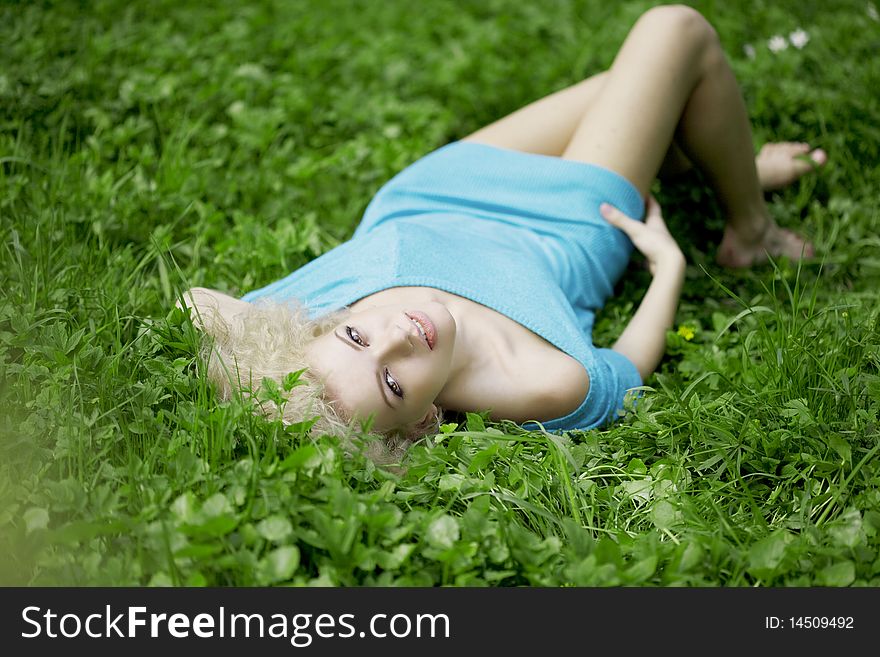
point(472, 281)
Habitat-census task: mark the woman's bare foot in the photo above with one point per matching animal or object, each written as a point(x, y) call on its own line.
point(736, 251)
point(779, 165)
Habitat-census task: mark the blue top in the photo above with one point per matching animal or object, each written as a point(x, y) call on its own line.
point(517, 232)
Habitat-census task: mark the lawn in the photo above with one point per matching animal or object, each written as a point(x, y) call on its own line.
point(149, 147)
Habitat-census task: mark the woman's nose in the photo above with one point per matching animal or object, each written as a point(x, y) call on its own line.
point(395, 342)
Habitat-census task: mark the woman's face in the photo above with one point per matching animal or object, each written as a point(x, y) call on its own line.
point(388, 361)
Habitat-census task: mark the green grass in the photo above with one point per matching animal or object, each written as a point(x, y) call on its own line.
point(149, 147)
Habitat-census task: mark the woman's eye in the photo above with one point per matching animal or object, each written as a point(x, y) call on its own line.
point(394, 385)
point(355, 336)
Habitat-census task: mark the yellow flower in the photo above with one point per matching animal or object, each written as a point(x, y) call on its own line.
point(686, 332)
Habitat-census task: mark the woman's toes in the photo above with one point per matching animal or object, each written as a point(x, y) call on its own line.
point(780, 164)
point(792, 245)
point(819, 156)
point(805, 163)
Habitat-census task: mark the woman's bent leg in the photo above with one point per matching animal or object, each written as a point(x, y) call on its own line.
point(547, 125)
point(630, 126)
point(671, 80)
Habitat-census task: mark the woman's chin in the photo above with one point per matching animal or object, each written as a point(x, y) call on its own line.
point(444, 324)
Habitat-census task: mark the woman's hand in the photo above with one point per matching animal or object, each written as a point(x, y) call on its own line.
point(650, 237)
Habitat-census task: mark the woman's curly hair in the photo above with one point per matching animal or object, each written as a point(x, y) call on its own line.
point(269, 341)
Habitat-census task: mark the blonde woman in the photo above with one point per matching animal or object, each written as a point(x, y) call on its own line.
point(474, 276)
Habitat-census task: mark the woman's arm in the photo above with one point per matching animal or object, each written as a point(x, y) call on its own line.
point(643, 341)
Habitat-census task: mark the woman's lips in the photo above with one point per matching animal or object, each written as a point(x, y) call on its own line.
point(427, 326)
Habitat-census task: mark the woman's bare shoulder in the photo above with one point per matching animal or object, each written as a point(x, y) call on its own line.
point(210, 305)
point(549, 387)
point(523, 378)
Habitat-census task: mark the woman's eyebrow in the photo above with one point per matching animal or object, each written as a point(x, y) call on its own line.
point(382, 388)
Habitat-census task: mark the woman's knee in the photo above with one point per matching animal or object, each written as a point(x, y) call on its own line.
point(682, 22)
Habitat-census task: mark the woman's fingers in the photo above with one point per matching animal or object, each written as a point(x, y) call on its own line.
point(654, 215)
point(615, 217)
point(652, 237)
point(633, 227)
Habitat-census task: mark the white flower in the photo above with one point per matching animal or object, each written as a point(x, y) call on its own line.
point(777, 43)
point(749, 50)
point(799, 38)
point(872, 12)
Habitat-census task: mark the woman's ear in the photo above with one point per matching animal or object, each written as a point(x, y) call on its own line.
point(429, 423)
